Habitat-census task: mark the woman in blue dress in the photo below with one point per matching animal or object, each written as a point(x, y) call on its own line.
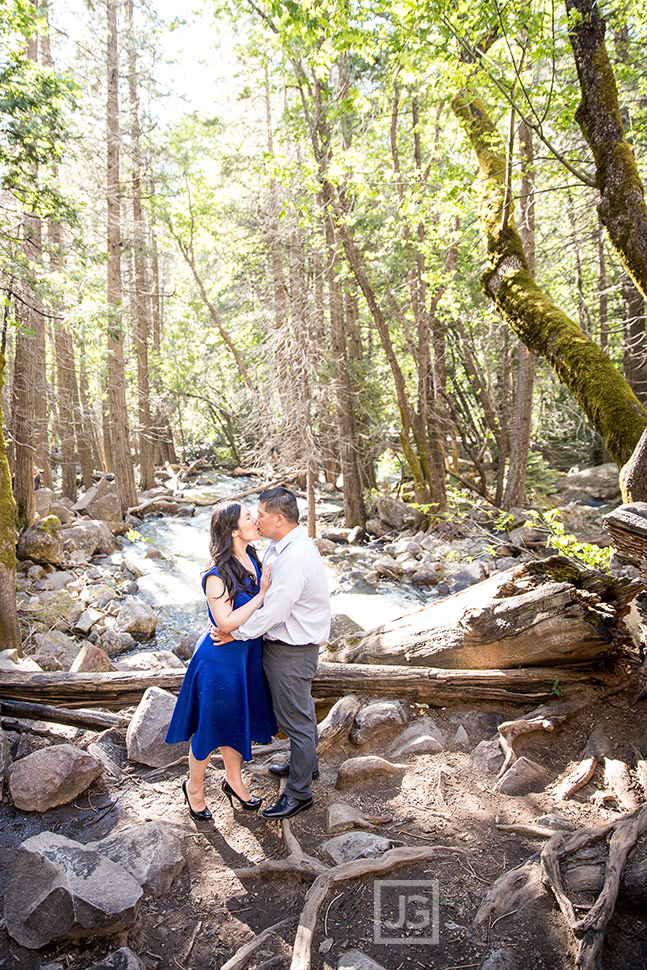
point(224, 701)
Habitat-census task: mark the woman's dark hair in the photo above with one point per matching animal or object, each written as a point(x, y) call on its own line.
point(224, 520)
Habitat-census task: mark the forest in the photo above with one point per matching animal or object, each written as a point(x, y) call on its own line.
point(390, 253)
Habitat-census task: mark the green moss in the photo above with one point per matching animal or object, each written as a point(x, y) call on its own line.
point(7, 504)
point(50, 524)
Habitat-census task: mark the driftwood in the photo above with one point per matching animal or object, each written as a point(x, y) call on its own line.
point(594, 750)
point(439, 687)
point(338, 722)
point(545, 718)
point(243, 955)
point(92, 720)
point(627, 526)
point(545, 612)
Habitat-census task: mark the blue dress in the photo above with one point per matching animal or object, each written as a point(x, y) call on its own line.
point(224, 698)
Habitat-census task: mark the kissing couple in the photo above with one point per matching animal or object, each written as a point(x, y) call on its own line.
point(254, 665)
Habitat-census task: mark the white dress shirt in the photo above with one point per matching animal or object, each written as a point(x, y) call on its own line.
point(296, 609)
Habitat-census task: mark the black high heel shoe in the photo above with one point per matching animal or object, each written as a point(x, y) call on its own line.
point(251, 805)
point(203, 816)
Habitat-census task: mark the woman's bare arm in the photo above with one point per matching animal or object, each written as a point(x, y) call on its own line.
point(226, 617)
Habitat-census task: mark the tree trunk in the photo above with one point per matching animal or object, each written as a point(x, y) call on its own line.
point(622, 207)
point(603, 303)
point(146, 466)
point(9, 630)
point(520, 437)
point(635, 340)
point(119, 429)
point(580, 364)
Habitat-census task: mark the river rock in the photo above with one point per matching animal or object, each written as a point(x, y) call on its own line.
point(100, 502)
point(51, 776)
point(42, 542)
point(185, 646)
point(147, 730)
point(9, 660)
point(392, 512)
point(377, 718)
point(487, 757)
point(554, 821)
point(87, 537)
point(600, 482)
point(121, 959)
point(98, 595)
point(87, 620)
point(388, 567)
point(91, 660)
point(422, 736)
point(354, 845)
point(151, 853)
point(522, 778)
point(55, 650)
point(356, 960)
point(43, 498)
point(341, 817)
point(115, 643)
point(55, 581)
point(60, 888)
point(461, 739)
point(36, 572)
point(325, 546)
point(153, 660)
point(338, 536)
point(376, 527)
point(137, 618)
point(356, 536)
point(478, 724)
point(357, 770)
point(343, 626)
point(426, 574)
point(52, 609)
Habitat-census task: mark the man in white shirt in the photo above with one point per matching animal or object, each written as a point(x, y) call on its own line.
point(294, 620)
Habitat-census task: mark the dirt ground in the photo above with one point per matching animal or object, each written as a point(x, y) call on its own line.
point(441, 800)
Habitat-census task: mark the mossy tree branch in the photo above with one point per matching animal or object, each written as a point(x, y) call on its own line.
point(622, 206)
point(605, 397)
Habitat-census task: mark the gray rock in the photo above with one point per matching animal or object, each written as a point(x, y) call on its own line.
point(504, 959)
point(388, 567)
point(523, 777)
point(392, 512)
point(470, 573)
point(356, 535)
point(9, 660)
point(357, 770)
point(185, 646)
point(55, 647)
point(57, 580)
point(100, 502)
point(377, 718)
point(338, 536)
point(376, 527)
point(87, 620)
point(600, 482)
point(60, 888)
point(354, 845)
point(42, 542)
point(91, 659)
point(85, 539)
point(43, 499)
point(356, 960)
point(423, 744)
point(487, 757)
point(115, 643)
point(151, 853)
point(341, 818)
point(420, 727)
point(98, 595)
point(147, 729)
point(325, 546)
point(426, 575)
point(36, 572)
point(154, 660)
point(122, 959)
point(137, 618)
point(51, 776)
point(343, 626)
point(478, 724)
point(461, 738)
point(553, 821)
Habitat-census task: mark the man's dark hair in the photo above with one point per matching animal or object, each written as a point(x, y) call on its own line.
point(281, 499)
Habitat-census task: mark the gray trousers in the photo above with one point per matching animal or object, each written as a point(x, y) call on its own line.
point(289, 671)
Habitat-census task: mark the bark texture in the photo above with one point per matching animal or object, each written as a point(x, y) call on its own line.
point(9, 629)
point(602, 392)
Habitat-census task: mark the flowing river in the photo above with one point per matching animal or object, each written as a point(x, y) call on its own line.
point(171, 583)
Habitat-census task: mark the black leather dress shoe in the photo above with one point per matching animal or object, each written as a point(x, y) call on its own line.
point(282, 771)
point(286, 807)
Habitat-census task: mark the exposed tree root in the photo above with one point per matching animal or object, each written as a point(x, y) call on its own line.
point(297, 862)
point(509, 730)
point(242, 955)
point(317, 893)
point(581, 774)
point(589, 931)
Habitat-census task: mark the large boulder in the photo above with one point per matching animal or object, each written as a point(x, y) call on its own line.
point(60, 888)
point(51, 776)
point(42, 542)
point(54, 650)
point(394, 513)
point(147, 730)
point(92, 660)
point(136, 617)
point(601, 483)
point(151, 853)
point(100, 502)
point(47, 503)
point(121, 959)
point(84, 539)
point(115, 643)
point(378, 718)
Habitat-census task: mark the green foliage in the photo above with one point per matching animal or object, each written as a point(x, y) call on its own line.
point(566, 544)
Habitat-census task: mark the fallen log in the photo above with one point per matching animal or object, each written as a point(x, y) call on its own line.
point(544, 613)
point(92, 720)
point(438, 687)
